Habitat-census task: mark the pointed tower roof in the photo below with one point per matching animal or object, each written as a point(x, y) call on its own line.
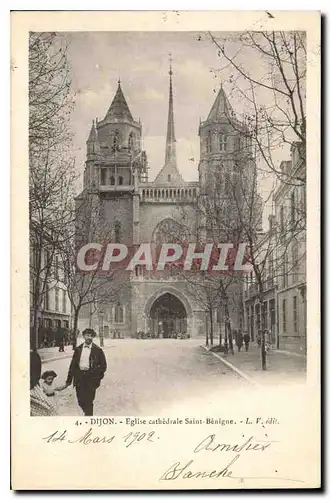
point(119, 107)
point(221, 107)
point(93, 137)
point(169, 173)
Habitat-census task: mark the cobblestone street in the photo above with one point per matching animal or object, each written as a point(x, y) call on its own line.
point(146, 377)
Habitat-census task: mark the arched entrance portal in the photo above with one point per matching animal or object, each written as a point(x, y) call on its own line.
point(168, 317)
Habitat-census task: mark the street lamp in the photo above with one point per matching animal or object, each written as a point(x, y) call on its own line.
point(101, 314)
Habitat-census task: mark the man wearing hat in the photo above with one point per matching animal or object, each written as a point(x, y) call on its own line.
point(86, 370)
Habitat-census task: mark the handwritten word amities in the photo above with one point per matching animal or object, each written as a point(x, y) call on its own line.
point(210, 444)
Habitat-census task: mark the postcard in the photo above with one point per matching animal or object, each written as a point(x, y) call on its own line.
point(165, 177)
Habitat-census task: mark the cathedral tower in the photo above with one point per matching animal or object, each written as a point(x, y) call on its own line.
point(220, 141)
point(115, 165)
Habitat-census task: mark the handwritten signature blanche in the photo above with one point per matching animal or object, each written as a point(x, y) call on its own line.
point(178, 470)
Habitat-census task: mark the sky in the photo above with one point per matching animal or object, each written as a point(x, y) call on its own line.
point(141, 61)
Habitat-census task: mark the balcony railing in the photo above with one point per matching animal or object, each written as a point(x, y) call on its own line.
point(118, 187)
point(164, 195)
point(166, 275)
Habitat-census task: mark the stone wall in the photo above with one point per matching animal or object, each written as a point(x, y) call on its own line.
point(151, 214)
point(120, 209)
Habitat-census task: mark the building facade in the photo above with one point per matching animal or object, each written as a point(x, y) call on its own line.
point(139, 210)
point(283, 252)
point(54, 307)
point(290, 210)
point(266, 250)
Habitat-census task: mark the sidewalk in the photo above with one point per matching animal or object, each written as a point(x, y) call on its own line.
point(292, 345)
point(48, 354)
point(281, 366)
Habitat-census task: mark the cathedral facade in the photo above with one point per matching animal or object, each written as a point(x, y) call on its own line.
point(137, 210)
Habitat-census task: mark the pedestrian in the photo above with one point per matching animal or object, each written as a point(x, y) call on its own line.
point(73, 338)
point(230, 336)
point(239, 340)
point(61, 338)
point(246, 341)
point(259, 338)
point(40, 404)
point(231, 342)
point(86, 370)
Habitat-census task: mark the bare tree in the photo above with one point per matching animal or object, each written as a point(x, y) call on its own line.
point(267, 253)
point(216, 291)
point(94, 287)
point(273, 96)
point(51, 172)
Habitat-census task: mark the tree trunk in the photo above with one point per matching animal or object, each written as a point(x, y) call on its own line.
point(263, 346)
point(75, 332)
point(34, 341)
point(211, 327)
point(227, 329)
point(207, 337)
point(230, 338)
point(226, 344)
point(220, 337)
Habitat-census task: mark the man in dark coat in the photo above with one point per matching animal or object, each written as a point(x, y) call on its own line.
point(61, 338)
point(246, 340)
point(86, 370)
point(240, 340)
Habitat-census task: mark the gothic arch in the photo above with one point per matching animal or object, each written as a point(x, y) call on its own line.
point(173, 291)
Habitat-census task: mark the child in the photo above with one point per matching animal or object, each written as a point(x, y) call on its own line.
point(47, 384)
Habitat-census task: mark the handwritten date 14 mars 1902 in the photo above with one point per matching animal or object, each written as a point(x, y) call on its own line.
point(89, 438)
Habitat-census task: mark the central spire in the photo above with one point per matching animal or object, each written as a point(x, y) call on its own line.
point(170, 154)
point(169, 174)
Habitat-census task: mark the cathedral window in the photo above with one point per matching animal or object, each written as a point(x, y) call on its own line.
point(222, 142)
point(116, 140)
point(120, 180)
point(119, 313)
point(103, 177)
point(112, 180)
point(170, 230)
point(169, 178)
